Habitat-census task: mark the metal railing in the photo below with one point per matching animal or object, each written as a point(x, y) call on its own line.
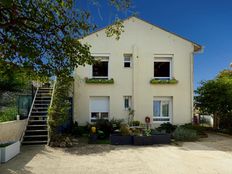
point(29, 115)
point(53, 91)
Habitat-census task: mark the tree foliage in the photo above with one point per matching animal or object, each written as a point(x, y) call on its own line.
point(215, 96)
point(44, 35)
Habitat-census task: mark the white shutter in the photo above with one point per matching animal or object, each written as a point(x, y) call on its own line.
point(99, 104)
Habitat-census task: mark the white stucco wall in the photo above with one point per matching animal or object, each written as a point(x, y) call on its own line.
point(143, 41)
point(11, 131)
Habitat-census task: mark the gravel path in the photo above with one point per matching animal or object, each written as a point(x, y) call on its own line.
point(211, 155)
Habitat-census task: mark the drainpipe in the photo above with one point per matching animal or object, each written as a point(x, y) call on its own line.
point(134, 75)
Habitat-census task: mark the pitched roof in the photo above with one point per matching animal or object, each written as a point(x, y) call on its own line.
point(197, 47)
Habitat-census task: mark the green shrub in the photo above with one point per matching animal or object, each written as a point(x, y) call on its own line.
point(147, 132)
point(167, 127)
point(135, 123)
point(103, 126)
point(9, 114)
point(99, 81)
point(156, 81)
point(124, 129)
point(79, 131)
point(116, 123)
point(199, 129)
point(184, 134)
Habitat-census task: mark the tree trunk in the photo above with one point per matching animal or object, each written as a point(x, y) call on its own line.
point(216, 121)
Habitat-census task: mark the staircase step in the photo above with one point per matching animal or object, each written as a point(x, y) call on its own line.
point(38, 116)
point(36, 125)
point(38, 130)
point(37, 120)
point(31, 136)
point(39, 113)
point(34, 142)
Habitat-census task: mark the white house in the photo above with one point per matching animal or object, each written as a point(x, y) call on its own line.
point(149, 69)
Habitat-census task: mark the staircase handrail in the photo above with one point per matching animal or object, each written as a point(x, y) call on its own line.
point(29, 115)
point(53, 91)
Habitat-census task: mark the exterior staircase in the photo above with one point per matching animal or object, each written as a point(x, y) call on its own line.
point(37, 128)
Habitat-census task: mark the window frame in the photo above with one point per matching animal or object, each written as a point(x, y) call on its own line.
point(161, 118)
point(127, 61)
point(99, 116)
point(101, 59)
point(163, 59)
point(101, 111)
point(129, 102)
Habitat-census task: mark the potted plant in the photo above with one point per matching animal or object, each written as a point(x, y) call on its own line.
point(121, 138)
point(9, 150)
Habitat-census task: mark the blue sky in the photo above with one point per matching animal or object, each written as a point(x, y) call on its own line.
point(206, 22)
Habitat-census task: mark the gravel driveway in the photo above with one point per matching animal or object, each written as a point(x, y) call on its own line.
point(211, 155)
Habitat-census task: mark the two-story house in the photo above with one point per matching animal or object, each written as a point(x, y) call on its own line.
point(149, 69)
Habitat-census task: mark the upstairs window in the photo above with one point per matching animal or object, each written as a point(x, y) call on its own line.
point(100, 69)
point(127, 60)
point(162, 69)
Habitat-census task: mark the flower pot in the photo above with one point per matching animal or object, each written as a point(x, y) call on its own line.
point(9, 151)
point(120, 139)
point(161, 138)
point(142, 140)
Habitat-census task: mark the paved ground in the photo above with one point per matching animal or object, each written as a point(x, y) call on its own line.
point(211, 155)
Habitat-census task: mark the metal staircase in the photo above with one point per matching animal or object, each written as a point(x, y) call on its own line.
point(37, 129)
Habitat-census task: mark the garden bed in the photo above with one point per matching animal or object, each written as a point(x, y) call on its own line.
point(116, 139)
point(140, 140)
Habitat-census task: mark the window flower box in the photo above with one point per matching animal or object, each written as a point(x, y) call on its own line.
point(158, 81)
point(99, 81)
point(117, 139)
point(9, 151)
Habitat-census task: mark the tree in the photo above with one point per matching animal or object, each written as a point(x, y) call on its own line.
point(45, 34)
point(215, 97)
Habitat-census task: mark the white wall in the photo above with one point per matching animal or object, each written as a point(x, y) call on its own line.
point(11, 131)
point(143, 41)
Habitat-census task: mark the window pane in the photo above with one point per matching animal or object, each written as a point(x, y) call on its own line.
point(156, 108)
point(127, 58)
point(126, 103)
point(165, 109)
point(104, 115)
point(126, 64)
point(95, 115)
point(100, 69)
point(161, 69)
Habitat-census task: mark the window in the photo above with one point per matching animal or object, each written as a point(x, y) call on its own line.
point(162, 68)
point(127, 102)
point(100, 69)
point(162, 109)
point(127, 60)
point(98, 115)
point(99, 108)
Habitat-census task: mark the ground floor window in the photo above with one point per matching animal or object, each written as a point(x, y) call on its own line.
point(99, 108)
point(162, 109)
point(127, 102)
point(99, 115)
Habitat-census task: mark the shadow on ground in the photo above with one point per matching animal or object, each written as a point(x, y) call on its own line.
point(19, 163)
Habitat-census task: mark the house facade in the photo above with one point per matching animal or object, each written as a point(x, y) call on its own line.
point(149, 70)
